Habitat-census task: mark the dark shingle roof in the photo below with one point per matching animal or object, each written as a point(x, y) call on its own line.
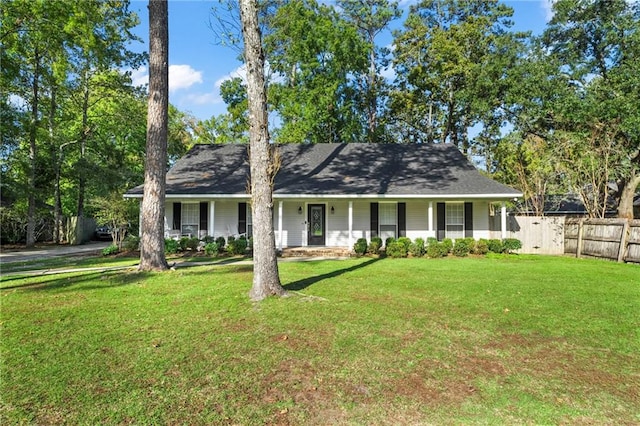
point(336, 169)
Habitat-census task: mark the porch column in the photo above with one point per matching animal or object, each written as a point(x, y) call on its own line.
point(212, 218)
point(280, 225)
point(350, 224)
point(430, 218)
point(503, 220)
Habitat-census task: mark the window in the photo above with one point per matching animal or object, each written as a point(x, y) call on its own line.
point(388, 218)
point(190, 219)
point(454, 220)
point(249, 221)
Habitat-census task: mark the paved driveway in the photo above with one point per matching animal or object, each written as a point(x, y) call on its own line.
point(46, 252)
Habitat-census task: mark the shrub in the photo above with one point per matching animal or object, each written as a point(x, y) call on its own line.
point(397, 249)
point(360, 247)
point(220, 241)
point(131, 243)
point(432, 240)
point(462, 247)
point(389, 241)
point(375, 245)
point(435, 250)
point(237, 246)
point(481, 247)
point(405, 241)
point(511, 244)
point(208, 239)
point(211, 249)
point(495, 246)
point(112, 249)
point(448, 244)
point(171, 246)
point(417, 248)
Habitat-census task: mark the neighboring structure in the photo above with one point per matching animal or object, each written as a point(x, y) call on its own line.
point(333, 194)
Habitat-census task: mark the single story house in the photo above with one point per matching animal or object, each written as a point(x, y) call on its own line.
point(332, 194)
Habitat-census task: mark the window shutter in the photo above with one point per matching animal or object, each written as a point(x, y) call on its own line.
point(440, 210)
point(204, 216)
point(402, 219)
point(177, 216)
point(374, 220)
point(242, 218)
point(468, 220)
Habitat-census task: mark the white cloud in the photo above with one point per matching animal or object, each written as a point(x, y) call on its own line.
point(547, 6)
point(241, 72)
point(202, 99)
point(140, 76)
point(183, 77)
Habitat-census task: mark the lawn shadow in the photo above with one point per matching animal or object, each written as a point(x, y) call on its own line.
point(115, 279)
point(307, 282)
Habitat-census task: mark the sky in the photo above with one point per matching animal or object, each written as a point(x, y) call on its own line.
point(198, 64)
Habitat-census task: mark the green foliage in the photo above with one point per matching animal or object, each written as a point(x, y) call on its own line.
point(447, 244)
point(208, 239)
point(237, 246)
point(388, 241)
point(131, 243)
point(495, 246)
point(211, 249)
point(405, 241)
point(481, 247)
point(221, 242)
point(375, 245)
point(397, 249)
point(117, 213)
point(437, 249)
point(112, 249)
point(462, 247)
point(360, 247)
point(171, 246)
point(431, 240)
point(417, 248)
point(509, 245)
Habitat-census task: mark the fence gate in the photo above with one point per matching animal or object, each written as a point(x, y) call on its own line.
point(539, 235)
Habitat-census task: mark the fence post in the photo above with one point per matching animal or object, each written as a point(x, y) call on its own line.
point(579, 242)
point(624, 241)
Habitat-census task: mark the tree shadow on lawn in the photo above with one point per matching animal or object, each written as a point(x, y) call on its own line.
point(307, 282)
point(111, 279)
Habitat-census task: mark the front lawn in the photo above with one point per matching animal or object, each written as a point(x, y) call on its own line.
point(502, 340)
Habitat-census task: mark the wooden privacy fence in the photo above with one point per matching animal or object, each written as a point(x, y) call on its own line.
point(539, 235)
point(614, 239)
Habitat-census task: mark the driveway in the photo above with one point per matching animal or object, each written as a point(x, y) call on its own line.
point(46, 252)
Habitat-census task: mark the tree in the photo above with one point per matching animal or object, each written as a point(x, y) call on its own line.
point(117, 213)
point(312, 90)
point(371, 17)
point(152, 255)
point(262, 157)
point(582, 81)
point(451, 59)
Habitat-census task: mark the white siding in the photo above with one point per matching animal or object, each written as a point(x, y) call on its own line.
point(361, 220)
point(226, 223)
point(338, 224)
point(293, 224)
point(481, 220)
point(418, 219)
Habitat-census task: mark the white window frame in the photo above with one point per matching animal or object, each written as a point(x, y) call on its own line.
point(190, 226)
point(385, 233)
point(454, 219)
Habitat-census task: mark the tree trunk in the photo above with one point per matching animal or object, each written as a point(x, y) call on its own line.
point(627, 192)
point(82, 180)
point(266, 279)
point(152, 255)
point(33, 151)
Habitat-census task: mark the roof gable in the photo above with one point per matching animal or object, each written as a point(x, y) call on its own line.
point(335, 169)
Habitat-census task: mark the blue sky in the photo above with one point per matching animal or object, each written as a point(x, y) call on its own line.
point(198, 65)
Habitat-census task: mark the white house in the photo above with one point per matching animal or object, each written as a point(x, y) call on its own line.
point(332, 194)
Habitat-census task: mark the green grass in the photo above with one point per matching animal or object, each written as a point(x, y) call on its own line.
point(503, 340)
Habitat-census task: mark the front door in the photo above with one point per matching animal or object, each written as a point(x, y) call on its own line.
point(316, 225)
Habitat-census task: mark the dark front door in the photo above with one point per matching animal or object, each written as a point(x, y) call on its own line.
point(316, 225)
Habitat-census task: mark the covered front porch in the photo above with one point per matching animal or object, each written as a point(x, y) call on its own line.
point(339, 222)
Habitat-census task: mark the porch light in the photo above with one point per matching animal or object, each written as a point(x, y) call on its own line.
point(333, 210)
point(299, 209)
